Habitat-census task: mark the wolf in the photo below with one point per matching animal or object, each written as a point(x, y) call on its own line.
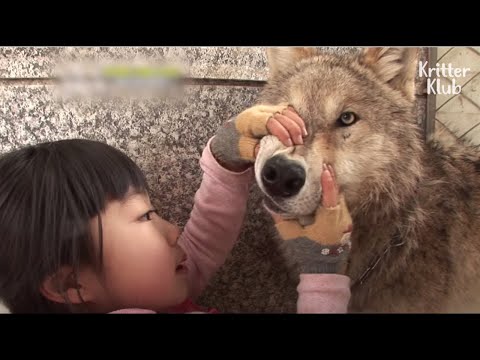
point(415, 204)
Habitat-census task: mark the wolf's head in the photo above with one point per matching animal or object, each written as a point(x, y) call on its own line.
point(359, 114)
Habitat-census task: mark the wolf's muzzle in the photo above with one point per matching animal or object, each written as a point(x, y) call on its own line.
point(282, 177)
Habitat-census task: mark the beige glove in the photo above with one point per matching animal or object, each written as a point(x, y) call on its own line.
point(324, 245)
point(235, 143)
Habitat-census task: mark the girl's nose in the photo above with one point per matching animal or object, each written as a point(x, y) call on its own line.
point(173, 234)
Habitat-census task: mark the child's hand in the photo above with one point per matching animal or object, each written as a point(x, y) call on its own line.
point(236, 143)
point(323, 246)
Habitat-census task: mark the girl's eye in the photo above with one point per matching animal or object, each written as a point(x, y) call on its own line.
point(148, 215)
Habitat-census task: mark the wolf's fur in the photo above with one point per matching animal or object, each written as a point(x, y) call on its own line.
point(400, 190)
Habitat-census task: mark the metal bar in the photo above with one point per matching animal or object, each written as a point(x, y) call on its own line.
point(429, 121)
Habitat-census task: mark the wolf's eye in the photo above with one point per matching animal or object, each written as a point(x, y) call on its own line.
point(347, 118)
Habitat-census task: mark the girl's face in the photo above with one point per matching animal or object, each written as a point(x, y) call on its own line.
point(143, 266)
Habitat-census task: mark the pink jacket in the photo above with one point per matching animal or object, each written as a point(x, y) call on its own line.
point(213, 229)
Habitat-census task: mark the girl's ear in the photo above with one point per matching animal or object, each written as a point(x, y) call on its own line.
point(66, 287)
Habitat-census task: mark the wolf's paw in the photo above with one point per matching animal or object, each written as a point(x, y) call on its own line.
point(253, 121)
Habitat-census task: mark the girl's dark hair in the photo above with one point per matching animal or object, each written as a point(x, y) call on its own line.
point(49, 193)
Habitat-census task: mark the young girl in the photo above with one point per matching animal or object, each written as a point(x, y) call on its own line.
point(78, 232)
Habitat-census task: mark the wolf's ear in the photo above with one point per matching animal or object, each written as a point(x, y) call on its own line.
point(395, 66)
point(281, 58)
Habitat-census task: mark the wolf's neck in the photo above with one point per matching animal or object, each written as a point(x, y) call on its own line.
point(441, 182)
point(389, 212)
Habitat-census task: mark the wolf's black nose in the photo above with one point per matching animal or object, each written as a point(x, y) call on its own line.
point(282, 177)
